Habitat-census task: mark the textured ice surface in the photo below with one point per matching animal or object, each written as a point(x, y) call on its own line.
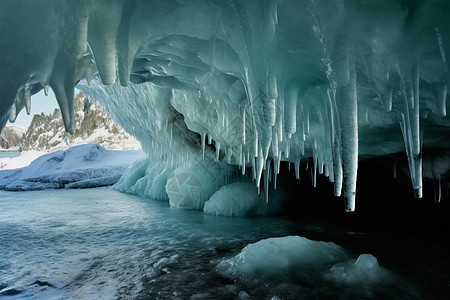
point(83, 166)
point(279, 262)
point(246, 83)
point(242, 199)
point(279, 257)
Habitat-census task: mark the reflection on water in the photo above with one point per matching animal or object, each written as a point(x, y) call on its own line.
point(99, 243)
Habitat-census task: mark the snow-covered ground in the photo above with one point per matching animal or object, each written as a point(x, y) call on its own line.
point(23, 160)
point(82, 166)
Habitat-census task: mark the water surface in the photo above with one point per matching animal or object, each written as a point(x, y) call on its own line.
point(102, 244)
point(5, 154)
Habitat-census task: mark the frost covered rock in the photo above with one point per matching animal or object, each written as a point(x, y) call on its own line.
point(83, 166)
point(242, 199)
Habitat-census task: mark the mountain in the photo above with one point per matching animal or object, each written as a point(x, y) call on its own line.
point(92, 125)
point(11, 137)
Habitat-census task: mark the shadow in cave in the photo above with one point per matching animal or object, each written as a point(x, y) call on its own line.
point(406, 234)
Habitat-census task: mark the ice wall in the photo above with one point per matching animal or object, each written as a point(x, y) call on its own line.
point(207, 85)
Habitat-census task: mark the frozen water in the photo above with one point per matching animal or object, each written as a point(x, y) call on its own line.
point(278, 257)
point(262, 81)
point(83, 166)
point(284, 261)
point(241, 199)
point(364, 271)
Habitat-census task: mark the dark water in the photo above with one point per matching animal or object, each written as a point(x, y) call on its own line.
point(4, 154)
point(102, 244)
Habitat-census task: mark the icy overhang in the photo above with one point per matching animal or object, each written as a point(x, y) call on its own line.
point(261, 81)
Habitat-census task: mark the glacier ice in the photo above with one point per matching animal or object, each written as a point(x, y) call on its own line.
point(278, 257)
point(240, 84)
point(281, 263)
point(240, 199)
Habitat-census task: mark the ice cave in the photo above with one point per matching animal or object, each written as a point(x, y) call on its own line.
point(222, 92)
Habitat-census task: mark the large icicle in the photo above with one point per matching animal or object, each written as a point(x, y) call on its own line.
point(348, 112)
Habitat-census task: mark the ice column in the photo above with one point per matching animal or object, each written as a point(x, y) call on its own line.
point(348, 112)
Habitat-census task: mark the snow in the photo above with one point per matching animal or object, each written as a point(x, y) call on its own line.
point(262, 81)
point(23, 160)
point(241, 199)
point(82, 166)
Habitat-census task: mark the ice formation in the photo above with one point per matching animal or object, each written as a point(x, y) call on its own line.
point(279, 258)
point(217, 84)
point(241, 199)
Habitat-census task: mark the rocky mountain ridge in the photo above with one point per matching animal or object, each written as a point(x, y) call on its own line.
point(46, 132)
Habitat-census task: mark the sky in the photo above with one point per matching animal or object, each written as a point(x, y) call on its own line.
point(39, 103)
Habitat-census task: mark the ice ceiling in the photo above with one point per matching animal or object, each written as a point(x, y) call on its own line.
point(248, 83)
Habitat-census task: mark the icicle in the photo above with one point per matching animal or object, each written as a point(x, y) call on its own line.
point(203, 137)
point(348, 111)
point(418, 177)
point(440, 94)
point(27, 99)
point(240, 155)
point(297, 168)
point(229, 154)
point(415, 162)
point(331, 171)
point(437, 188)
point(46, 86)
point(415, 130)
point(217, 151)
point(266, 182)
point(255, 144)
point(259, 168)
point(13, 113)
point(243, 124)
point(209, 139)
point(253, 168)
point(286, 152)
point(243, 165)
point(278, 163)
